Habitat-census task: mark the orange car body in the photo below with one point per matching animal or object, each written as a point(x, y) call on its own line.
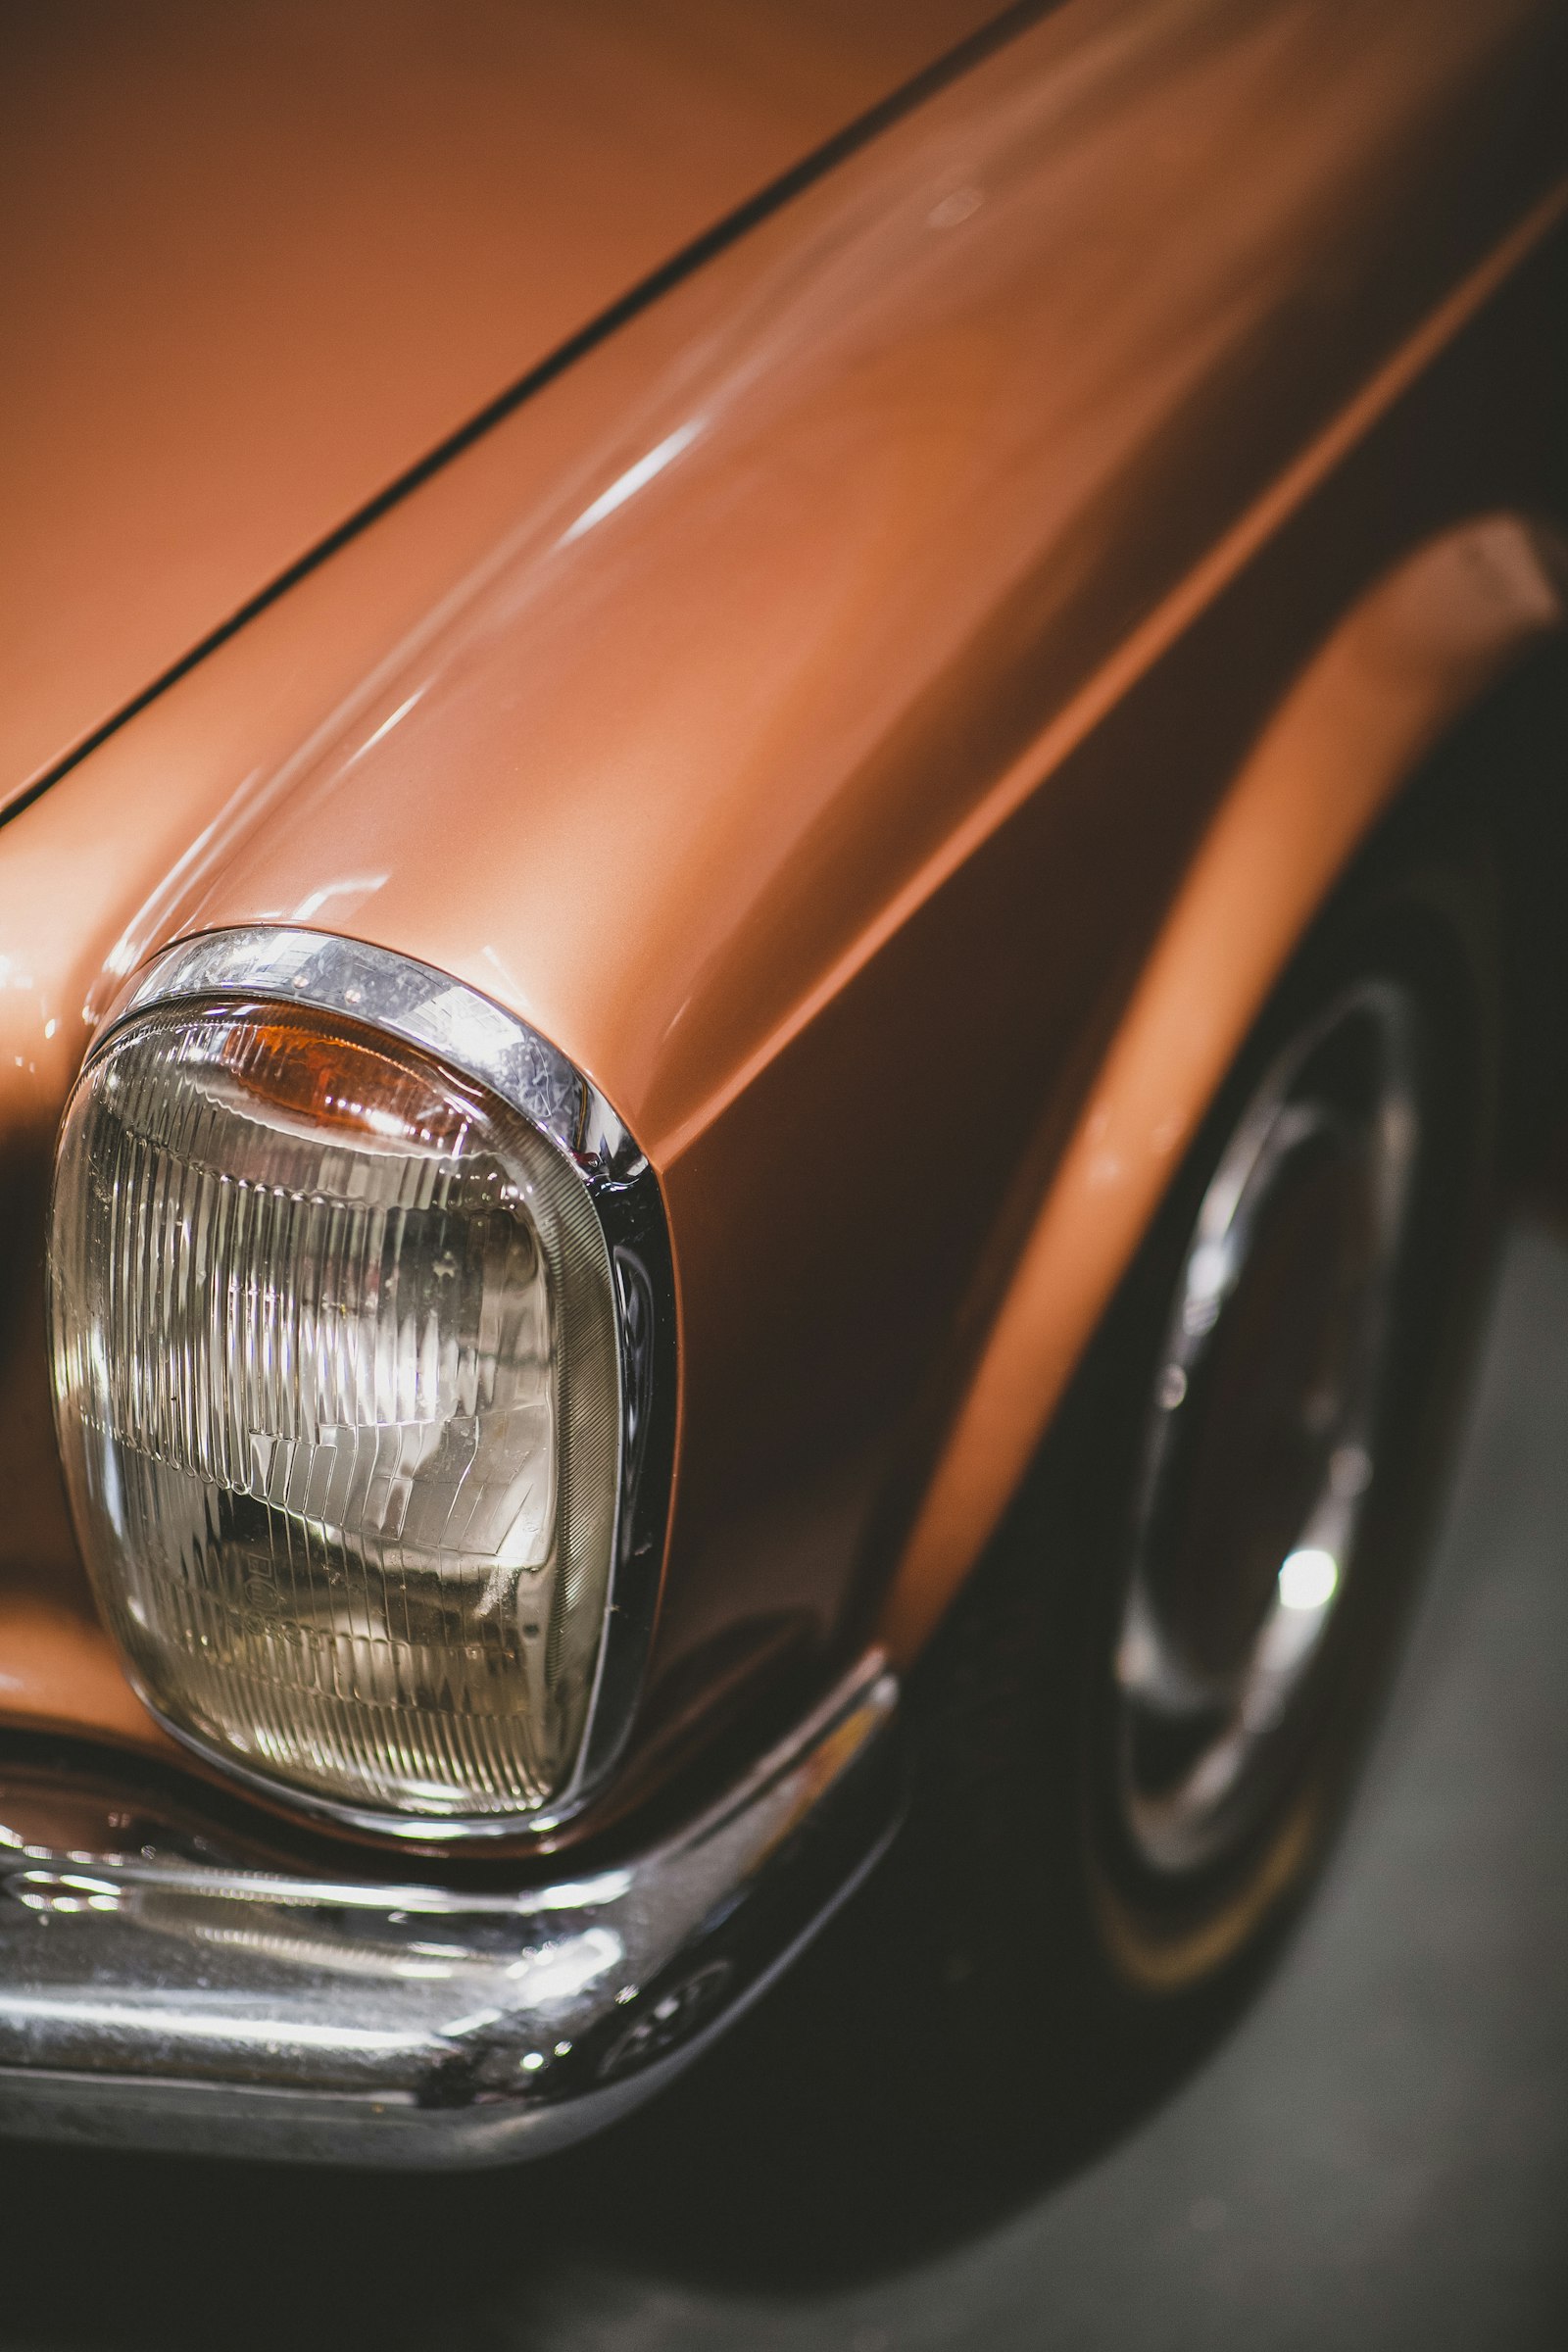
point(861, 570)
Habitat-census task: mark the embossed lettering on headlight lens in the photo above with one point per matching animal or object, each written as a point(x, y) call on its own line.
point(336, 1383)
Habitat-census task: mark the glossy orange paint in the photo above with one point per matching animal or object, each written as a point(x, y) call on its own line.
point(261, 258)
point(1422, 647)
point(810, 708)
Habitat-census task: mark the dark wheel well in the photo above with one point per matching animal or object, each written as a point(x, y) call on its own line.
point(1509, 757)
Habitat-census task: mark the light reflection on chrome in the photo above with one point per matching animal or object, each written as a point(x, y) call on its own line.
point(150, 1962)
point(1196, 1705)
point(1309, 1579)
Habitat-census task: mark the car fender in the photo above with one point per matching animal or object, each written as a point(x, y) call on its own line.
point(1417, 653)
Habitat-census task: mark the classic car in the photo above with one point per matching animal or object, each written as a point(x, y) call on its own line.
point(780, 882)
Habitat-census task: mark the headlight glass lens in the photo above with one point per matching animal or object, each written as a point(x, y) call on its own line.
point(335, 1373)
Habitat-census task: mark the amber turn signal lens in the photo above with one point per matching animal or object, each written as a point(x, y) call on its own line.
point(336, 1385)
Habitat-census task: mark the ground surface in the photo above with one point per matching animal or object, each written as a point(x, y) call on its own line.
point(1376, 2156)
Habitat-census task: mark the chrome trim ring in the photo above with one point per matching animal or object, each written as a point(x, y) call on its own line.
point(412, 1000)
point(1261, 1444)
point(480, 1040)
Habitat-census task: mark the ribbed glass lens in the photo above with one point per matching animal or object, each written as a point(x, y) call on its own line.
point(336, 1383)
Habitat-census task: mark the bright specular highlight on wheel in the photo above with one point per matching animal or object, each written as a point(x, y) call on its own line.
point(1263, 1437)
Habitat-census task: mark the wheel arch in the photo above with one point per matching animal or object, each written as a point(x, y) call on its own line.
point(1406, 668)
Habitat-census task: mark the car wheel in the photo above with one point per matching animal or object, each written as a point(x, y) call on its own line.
point(1139, 1728)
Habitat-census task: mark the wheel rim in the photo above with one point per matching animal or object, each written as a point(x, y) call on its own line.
point(1261, 1447)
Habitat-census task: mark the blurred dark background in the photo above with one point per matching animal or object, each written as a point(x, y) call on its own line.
point(1375, 2155)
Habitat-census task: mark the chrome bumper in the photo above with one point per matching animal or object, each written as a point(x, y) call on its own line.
point(158, 1991)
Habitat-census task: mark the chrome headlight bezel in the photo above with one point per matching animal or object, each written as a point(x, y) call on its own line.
point(400, 1000)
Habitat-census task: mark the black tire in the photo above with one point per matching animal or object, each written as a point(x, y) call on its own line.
point(1072, 1974)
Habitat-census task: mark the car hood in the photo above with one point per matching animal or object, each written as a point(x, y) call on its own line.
point(260, 258)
